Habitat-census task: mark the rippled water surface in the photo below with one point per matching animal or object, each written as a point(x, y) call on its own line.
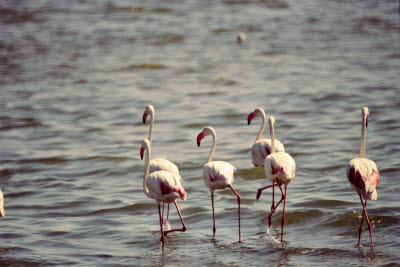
point(75, 77)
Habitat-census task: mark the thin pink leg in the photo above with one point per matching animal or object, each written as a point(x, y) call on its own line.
point(361, 225)
point(369, 224)
point(283, 215)
point(238, 200)
point(183, 223)
point(261, 189)
point(212, 203)
point(273, 195)
point(274, 208)
point(161, 226)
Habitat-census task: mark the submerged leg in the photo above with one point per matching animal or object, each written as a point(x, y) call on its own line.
point(161, 226)
point(283, 215)
point(361, 225)
point(238, 200)
point(212, 203)
point(274, 208)
point(262, 188)
point(183, 223)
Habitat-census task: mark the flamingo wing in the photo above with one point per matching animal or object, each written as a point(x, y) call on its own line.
point(161, 164)
point(165, 186)
point(280, 166)
point(363, 176)
point(218, 174)
point(262, 148)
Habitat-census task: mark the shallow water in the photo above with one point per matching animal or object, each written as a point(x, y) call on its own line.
point(77, 75)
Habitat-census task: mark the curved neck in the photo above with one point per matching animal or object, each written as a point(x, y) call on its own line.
point(362, 142)
point(151, 127)
point(262, 127)
point(272, 139)
point(213, 146)
point(146, 173)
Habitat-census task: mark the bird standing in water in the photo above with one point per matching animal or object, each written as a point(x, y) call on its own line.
point(363, 176)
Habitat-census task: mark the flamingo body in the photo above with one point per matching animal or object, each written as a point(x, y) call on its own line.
point(165, 186)
point(280, 167)
point(262, 148)
point(363, 176)
point(218, 175)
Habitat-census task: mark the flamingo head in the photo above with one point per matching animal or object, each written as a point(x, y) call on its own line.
point(258, 112)
point(271, 123)
point(145, 145)
point(251, 116)
point(199, 138)
point(365, 113)
point(148, 111)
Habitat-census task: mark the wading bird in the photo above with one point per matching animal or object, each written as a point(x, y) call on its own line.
point(217, 174)
point(158, 164)
point(363, 176)
point(162, 186)
point(280, 169)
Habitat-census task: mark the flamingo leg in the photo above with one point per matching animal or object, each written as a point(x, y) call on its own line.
point(274, 208)
point(238, 200)
point(183, 223)
point(283, 215)
point(262, 188)
point(161, 226)
point(369, 224)
point(361, 225)
point(273, 195)
point(212, 203)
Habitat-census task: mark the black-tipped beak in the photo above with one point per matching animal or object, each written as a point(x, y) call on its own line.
point(248, 122)
point(198, 144)
point(366, 123)
point(144, 120)
point(141, 157)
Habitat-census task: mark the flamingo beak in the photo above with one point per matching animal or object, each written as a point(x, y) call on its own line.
point(366, 122)
point(145, 116)
point(199, 138)
point(141, 152)
point(250, 118)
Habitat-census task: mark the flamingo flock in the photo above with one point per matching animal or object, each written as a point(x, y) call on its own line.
point(163, 183)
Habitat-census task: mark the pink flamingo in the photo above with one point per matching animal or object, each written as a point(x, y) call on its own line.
point(262, 147)
point(280, 169)
point(158, 164)
point(162, 186)
point(2, 212)
point(363, 176)
point(217, 174)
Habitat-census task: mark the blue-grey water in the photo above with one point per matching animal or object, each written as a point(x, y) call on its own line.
point(75, 77)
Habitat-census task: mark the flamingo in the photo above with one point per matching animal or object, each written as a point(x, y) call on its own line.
point(363, 176)
point(2, 212)
point(158, 164)
point(262, 147)
point(280, 169)
point(162, 186)
point(217, 174)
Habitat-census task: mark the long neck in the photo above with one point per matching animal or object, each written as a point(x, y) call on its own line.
point(151, 127)
point(272, 139)
point(362, 143)
point(146, 173)
point(213, 147)
point(262, 128)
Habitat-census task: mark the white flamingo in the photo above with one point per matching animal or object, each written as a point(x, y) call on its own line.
point(158, 164)
point(363, 176)
point(217, 174)
point(262, 147)
point(162, 186)
point(2, 212)
point(280, 169)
